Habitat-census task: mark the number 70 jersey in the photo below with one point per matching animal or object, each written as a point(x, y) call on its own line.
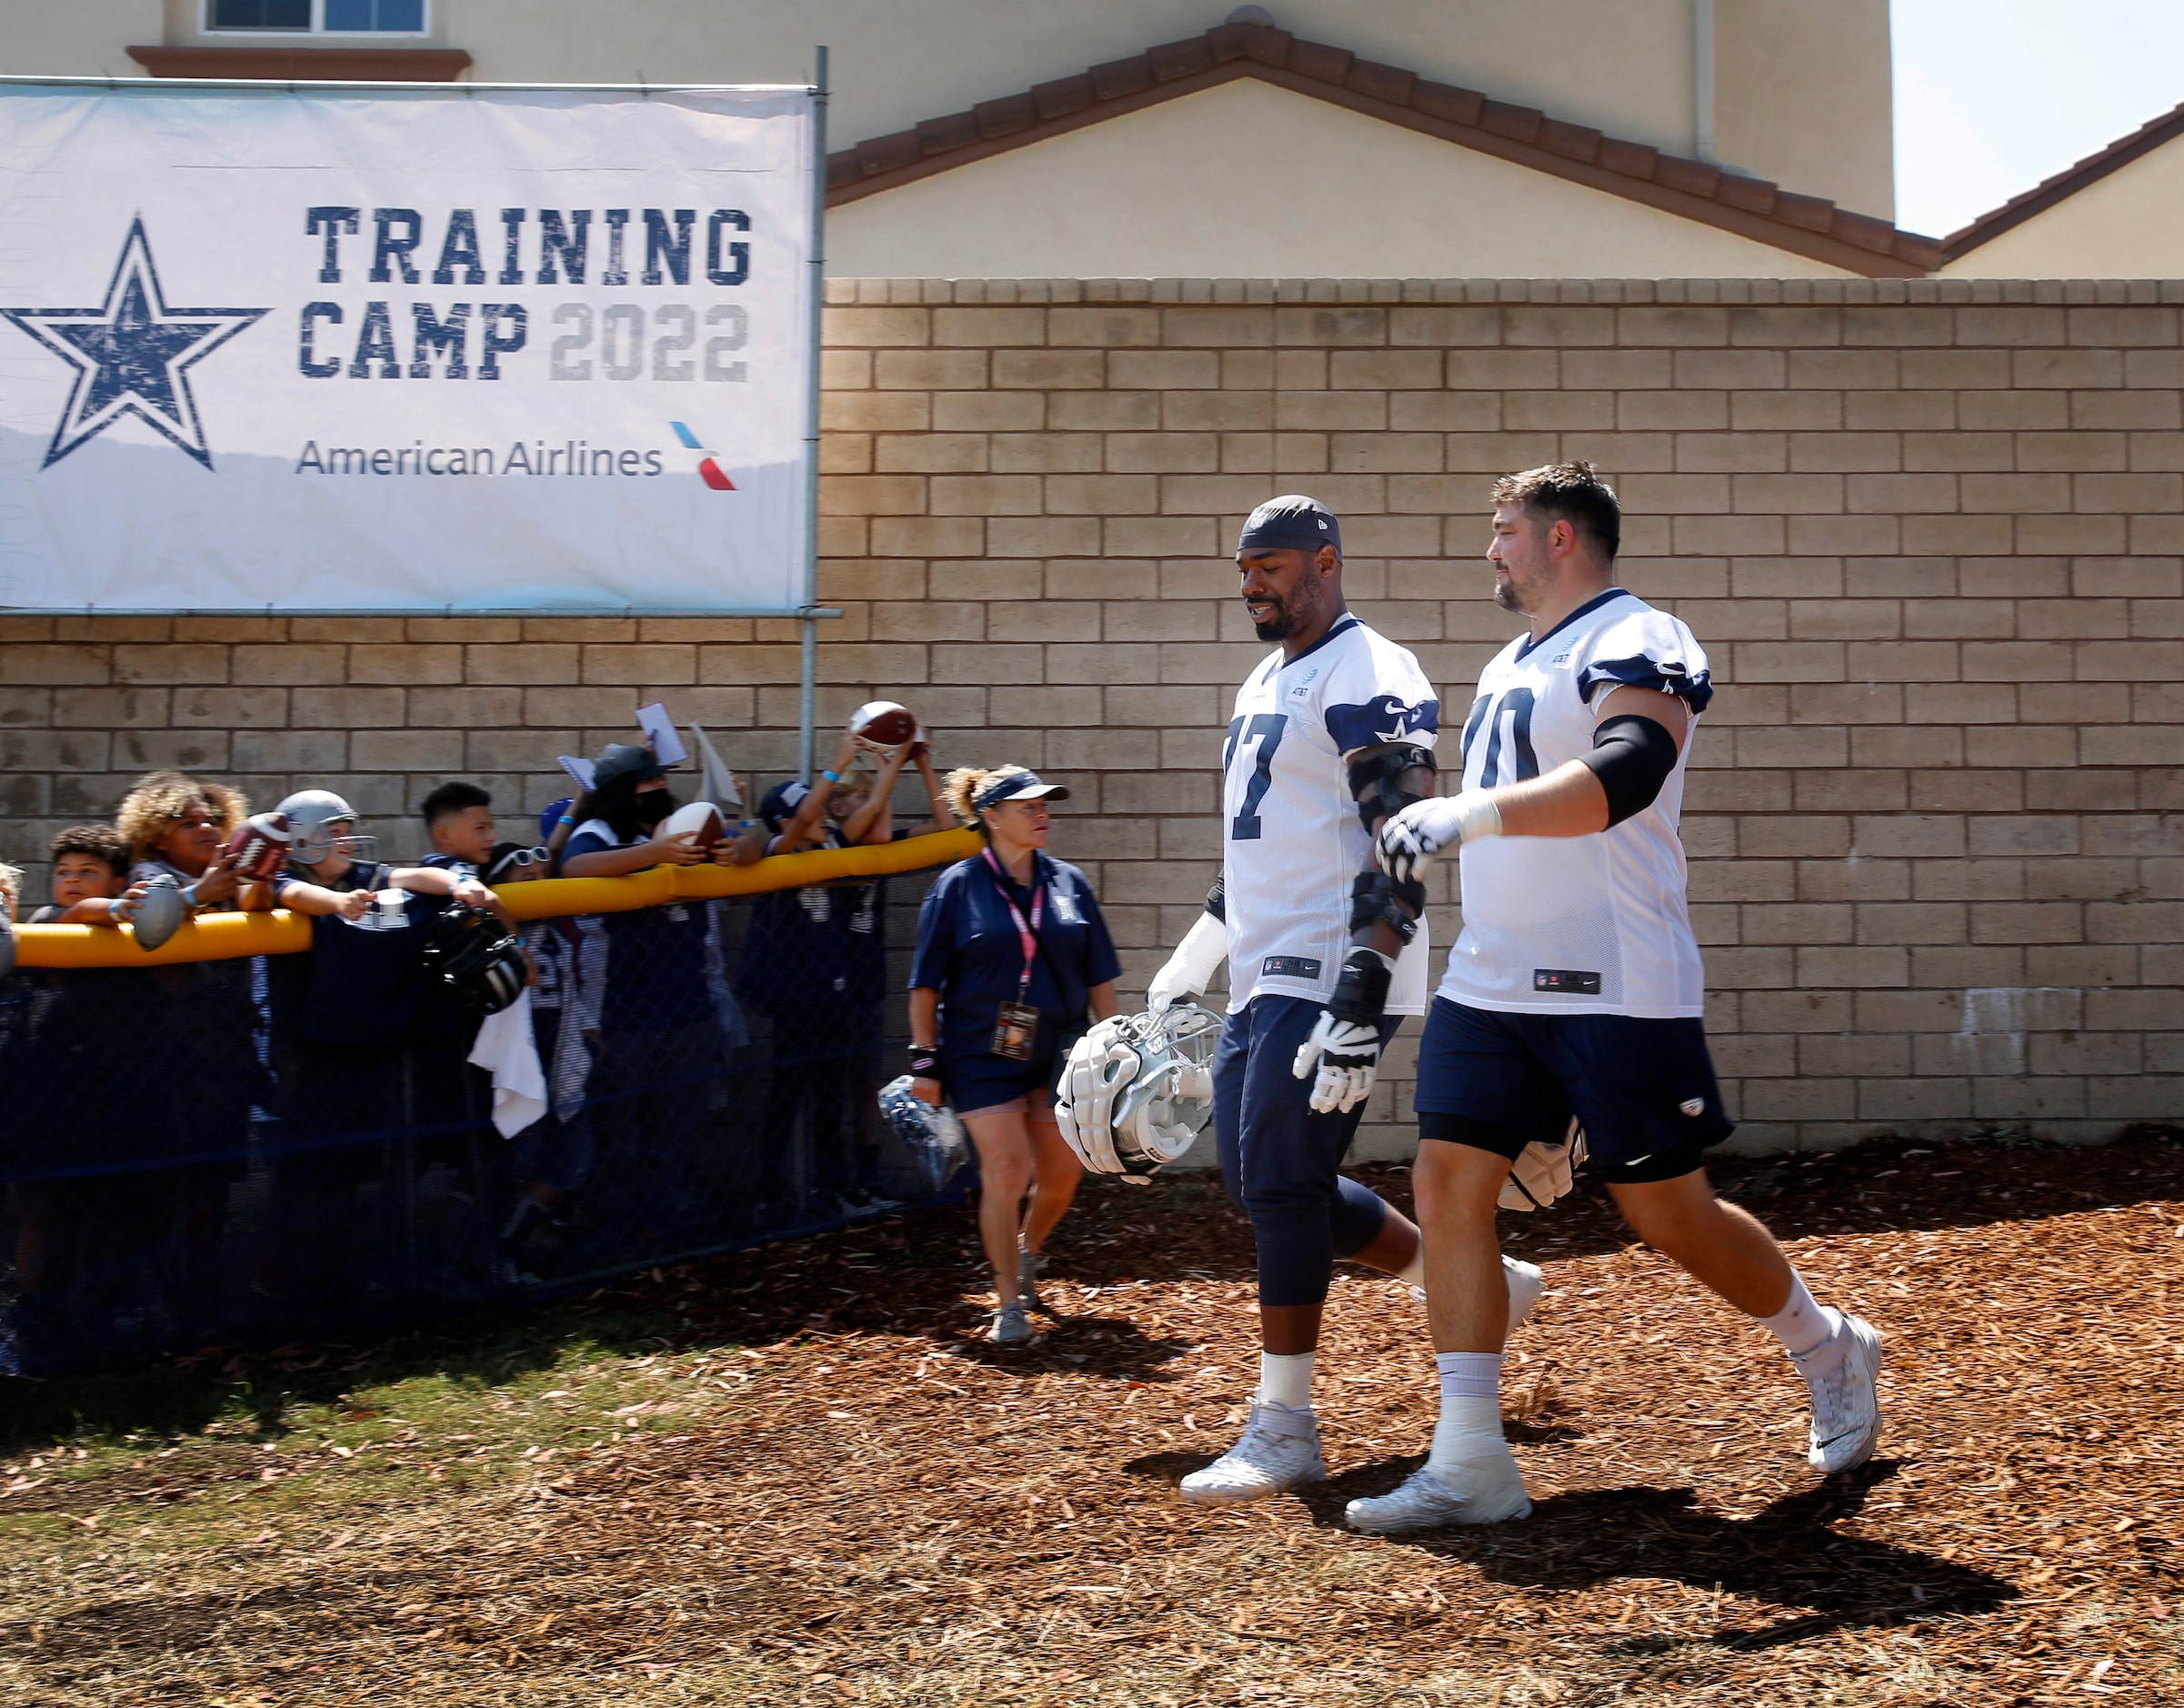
point(1291, 840)
point(1579, 924)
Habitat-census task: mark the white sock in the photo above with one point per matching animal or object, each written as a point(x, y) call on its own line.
point(1802, 1325)
point(1285, 1379)
point(1471, 1422)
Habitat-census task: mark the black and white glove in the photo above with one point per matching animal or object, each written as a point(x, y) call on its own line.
point(1409, 842)
point(1344, 1049)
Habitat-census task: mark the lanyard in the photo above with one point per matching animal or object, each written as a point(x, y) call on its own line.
point(1028, 935)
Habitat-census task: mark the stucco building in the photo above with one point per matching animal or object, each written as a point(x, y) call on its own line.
point(1513, 138)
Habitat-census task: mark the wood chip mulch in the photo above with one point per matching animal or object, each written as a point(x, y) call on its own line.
point(875, 1506)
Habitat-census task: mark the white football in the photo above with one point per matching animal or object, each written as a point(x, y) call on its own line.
point(701, 816)
point(883, 724)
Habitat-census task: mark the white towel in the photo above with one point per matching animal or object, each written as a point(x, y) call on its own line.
point(506, 1048)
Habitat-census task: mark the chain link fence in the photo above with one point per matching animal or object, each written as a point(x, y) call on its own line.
point(275, 1149)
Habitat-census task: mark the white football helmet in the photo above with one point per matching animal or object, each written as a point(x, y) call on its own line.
point(1137, 1090)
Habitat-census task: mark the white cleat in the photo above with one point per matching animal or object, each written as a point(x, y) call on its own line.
point(1527, 1285)
point(1843, 1373)
point(1264, 1462)
point(1483, 1491)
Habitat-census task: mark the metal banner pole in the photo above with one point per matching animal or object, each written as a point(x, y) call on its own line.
point(807, 694)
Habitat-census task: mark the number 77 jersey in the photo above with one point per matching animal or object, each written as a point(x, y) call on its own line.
point(1291, 840)
point(1579, 924)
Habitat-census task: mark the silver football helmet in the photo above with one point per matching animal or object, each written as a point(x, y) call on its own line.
point(1137, 1090)
point(312, 813)
point(933, 1135)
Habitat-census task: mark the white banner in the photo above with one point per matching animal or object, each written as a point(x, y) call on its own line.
point(404, 349)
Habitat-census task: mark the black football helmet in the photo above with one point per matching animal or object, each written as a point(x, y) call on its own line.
point(477, 957)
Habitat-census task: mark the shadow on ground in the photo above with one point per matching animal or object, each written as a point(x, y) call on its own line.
point(921, 1273)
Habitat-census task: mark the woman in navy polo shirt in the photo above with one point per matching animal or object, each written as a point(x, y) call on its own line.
point(1011, 952)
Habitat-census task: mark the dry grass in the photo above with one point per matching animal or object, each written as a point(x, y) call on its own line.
point(834, 1493)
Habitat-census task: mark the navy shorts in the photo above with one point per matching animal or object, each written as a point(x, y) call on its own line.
point(1643, 1089)
point(1280, 1159)
point(986, 1081)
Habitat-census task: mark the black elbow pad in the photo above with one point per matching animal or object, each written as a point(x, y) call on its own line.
point(1397, 902)
point(1632, 757)
point(1376, 782)
point(1216, 899)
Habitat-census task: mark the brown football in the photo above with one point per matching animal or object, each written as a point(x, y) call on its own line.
point(883, 724)
point(263, 842)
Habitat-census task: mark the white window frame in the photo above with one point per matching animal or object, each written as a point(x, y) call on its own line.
point(318, 27)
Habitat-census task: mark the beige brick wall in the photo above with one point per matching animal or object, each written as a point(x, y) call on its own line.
point(1931, 534)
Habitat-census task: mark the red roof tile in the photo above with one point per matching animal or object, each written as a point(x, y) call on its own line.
point(2064, 185)
point(1752, 207)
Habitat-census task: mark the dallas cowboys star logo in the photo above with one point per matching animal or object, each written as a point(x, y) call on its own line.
point(1387, 704)
point(132, 355)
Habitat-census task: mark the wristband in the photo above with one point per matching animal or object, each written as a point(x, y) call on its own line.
point(832, 777)
point(565, 819)
point(189, 895)
point(1360, 995)
point(923, 1062)
point(746, 824)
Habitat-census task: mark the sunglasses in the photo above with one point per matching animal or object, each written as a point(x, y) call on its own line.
point(519, 859)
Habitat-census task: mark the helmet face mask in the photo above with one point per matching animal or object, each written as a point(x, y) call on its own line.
point(316, 848)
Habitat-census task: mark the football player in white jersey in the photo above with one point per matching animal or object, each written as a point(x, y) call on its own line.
point(1576, 989)
point(1331, 734)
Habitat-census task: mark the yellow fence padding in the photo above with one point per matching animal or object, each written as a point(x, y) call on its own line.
point(558, 898)
point(215, 937)
point(234, 936)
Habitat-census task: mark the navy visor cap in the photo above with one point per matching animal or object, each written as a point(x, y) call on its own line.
point(1019, 785)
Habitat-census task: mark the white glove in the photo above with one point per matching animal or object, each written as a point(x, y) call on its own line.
point(1542, 1172)
point(1346, 1054)
point(1101, 1064)
point(1193, 965)
point(1422, 829)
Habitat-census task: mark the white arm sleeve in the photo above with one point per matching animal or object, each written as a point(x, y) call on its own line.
point(1193, 965)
